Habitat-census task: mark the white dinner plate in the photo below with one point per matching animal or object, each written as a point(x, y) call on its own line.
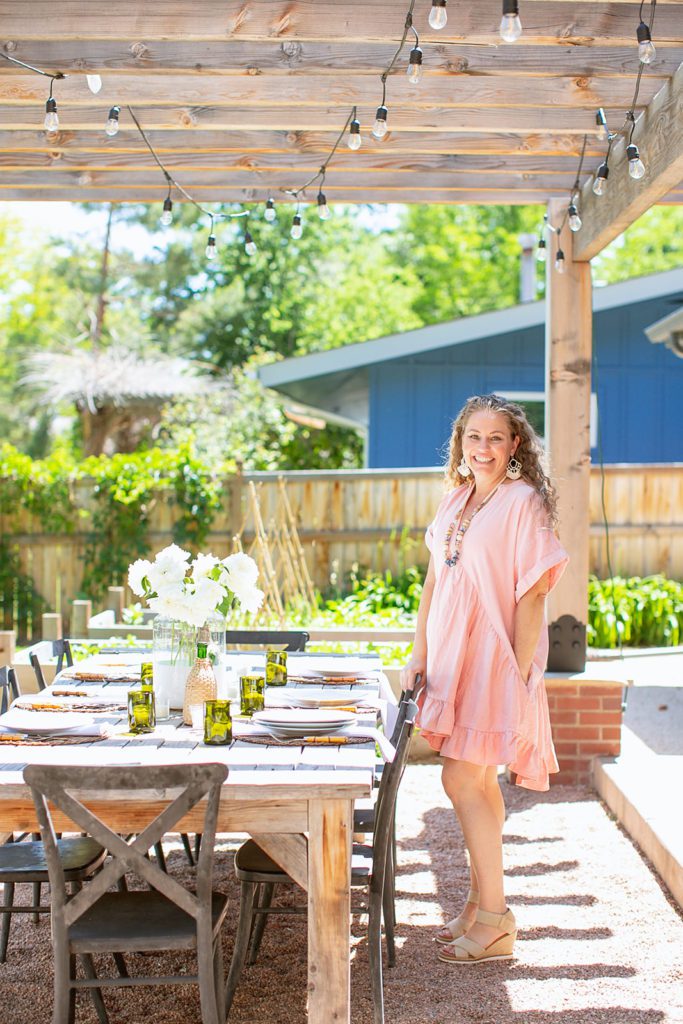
point(313, 697)
point(46, 722)
point(311, 719)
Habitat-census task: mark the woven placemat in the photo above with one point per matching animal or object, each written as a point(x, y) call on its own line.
point(305, 741)
point(77, 709)
point(8, 740)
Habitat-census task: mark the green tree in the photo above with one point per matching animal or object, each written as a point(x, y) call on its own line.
point(652, 244)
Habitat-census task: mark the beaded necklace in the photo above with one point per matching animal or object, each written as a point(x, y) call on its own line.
point(462, 527)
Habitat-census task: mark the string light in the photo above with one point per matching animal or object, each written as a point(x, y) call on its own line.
point(415, 65)
point(167, 212)
point(323, 208)
point(601, 121)
point(111, 128)
point(94, 83)
point(297, 228)
point(51, 122)
point(379, 128)
point(573, 217)
point(636, 167)
point(211, 249)
point(510, 25)
point(541, 249)
point(438, 16)
point(646, 49)
point(270, 213)
point(559, 261)
point(354, 137)
point(250, 246)
point(600, 183)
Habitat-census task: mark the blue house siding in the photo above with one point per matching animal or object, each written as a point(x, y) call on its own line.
point(413, 400)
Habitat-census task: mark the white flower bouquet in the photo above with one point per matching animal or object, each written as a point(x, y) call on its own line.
point(191, 591)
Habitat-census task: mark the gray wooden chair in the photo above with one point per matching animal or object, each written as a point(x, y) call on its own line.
point(259, 875)
point(59, 649)
point(9, 688)
point(166, 916)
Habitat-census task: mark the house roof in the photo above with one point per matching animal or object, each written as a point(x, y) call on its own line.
point(458, 332)
point(668, 330)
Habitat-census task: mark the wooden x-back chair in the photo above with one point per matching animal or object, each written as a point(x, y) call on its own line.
point(167, 916)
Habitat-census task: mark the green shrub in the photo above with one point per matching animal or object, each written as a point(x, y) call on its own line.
point(635, 612)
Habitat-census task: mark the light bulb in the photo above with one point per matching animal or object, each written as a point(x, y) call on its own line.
point(379, 128)
point(111, 128)
point(601, 122)
point(559, 262)
point(249, 245)
point(510, 28)
point(354, 140)
point(600, 183)
point(636, 167)
point(51, 122)
point(573, 218)
point(297, 229)
point(541, 251)
point(167, 214)
point(211, 248)
point(323, 208)
point(646, 50)
point(270, 213)
point(438, 15)
point(94, 83)
point(415, 66)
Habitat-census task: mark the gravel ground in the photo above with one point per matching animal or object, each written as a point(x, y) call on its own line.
point(600, 941)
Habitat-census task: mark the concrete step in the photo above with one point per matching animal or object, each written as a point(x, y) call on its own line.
point(643, 790)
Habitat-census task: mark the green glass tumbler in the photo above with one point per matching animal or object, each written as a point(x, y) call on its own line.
point(252, 689)
point(276, 668)
point(217, 722)
point(141, 715)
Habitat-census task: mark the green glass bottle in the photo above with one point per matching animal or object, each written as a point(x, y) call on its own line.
point(147, 686)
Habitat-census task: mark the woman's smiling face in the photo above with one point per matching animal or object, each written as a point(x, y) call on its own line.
point(488, 445)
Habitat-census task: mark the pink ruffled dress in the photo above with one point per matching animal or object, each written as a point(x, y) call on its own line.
point(476, 706)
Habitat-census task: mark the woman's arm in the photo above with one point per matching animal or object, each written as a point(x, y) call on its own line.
point(418, 659)
point(528, 622)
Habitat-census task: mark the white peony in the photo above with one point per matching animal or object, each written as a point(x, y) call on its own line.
point(240, 570)
point(202, 566)
point(169, 566)
point(136, 573)
point(251, 598)
point(208, 592)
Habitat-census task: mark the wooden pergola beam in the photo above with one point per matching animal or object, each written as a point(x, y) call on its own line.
point(659, 136)
point(111, 58)
point(546, 22)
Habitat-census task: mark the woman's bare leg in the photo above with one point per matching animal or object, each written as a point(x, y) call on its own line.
point(478, 802)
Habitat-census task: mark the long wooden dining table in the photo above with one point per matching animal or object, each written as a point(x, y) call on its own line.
point(295, 801)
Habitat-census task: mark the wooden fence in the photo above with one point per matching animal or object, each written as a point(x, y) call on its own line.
point(373, 519)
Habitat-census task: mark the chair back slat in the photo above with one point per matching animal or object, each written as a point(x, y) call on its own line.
point(9, 688)
point(290, 640)
point(183, 785)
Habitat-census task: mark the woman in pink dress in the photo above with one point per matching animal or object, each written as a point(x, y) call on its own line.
point(481, 643)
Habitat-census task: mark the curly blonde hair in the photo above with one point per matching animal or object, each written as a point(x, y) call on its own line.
point(529, 451)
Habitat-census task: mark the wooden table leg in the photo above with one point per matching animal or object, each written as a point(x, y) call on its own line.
point(329, 911)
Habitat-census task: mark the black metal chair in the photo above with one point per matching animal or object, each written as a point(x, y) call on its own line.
point(289, 640)
point(259, 875)
point(9, 688)
point(59, 649)
point(167, 916)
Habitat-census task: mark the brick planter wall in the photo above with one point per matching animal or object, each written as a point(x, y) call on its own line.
point(585, 715)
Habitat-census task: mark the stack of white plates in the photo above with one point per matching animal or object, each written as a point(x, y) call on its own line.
point(312, 697)
point(287, 723)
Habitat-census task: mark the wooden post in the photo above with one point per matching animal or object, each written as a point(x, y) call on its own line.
point(569, 319)
point(81, 613)
point(52, 626)
point(114, 602)
point(7, 646)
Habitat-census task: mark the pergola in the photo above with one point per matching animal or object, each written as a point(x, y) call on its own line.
point(242, 100)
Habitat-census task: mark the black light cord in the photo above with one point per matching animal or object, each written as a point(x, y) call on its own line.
point(320, 173)
point(29, 67)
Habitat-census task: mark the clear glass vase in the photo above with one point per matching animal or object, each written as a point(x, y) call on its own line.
point(174, 650)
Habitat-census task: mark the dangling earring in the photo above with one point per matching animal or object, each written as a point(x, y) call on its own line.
point(514, 469)
point(463, 468)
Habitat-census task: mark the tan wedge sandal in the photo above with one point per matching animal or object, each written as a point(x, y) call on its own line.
point(454, 930)
point(466, 951)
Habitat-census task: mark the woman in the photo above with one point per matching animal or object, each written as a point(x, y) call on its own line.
point(481, 644)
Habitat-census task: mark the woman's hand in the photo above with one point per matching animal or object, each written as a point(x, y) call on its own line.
point(416, 666)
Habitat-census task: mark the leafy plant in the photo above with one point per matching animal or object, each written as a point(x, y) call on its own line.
point(635, 612)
